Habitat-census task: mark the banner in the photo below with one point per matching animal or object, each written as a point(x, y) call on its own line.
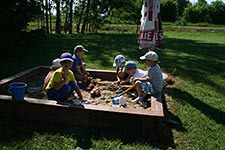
point(151, 31)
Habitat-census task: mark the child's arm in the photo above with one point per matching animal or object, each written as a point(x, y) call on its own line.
point(145, 79)
point(79, 70)
point(127, 80)
point(77, 89)
point(59, 85)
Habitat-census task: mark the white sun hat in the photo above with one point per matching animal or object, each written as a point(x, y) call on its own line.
point(118, 60)
point(151, 55)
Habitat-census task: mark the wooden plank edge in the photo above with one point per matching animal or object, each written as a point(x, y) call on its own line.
point(131, 111)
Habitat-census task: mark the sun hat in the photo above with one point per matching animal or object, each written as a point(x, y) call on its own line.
point(151, 55)
point(130, 65)
point(66, 56)
point(79, 48)
point(56, 63)
point(118, 60)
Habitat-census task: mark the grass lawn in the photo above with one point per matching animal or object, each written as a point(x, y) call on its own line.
point(195, 61)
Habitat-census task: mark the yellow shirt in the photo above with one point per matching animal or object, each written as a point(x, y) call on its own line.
point(57, 77)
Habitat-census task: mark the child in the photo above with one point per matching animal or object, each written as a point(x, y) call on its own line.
point(119, 63)
point(55, 66)
point(78, 67)
point(62, 84)
point(133, 71)
point(154, 82)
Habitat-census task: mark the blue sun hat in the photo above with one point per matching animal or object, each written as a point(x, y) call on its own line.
point(118, 60)
point(66, 56)
point(130, 65)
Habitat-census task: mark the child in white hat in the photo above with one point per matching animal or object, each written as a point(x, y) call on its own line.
point(153, 83)
point(119, 63)
point(55, 65)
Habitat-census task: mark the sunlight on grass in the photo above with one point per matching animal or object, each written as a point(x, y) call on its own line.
point(195, 61)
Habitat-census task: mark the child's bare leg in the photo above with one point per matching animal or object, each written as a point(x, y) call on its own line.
point(138, 88)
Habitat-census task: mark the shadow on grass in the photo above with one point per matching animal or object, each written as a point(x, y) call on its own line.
point(213, 113)
point(197, 61)
point(161, 137)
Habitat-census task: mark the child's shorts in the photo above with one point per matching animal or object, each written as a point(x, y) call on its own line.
point(147, 86)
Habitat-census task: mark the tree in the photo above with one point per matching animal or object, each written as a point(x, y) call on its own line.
point(182, 4)
point(50, 15)
point(202, 2)
point(169, 10)
point(14, 18)
point(71, 17)
point(46, 16)
point(197, 13)
point(217, 12)
point(58, 19)
point(79, 9)
point(86, 17)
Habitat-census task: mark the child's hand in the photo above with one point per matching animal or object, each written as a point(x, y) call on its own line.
point(131, 80)
point(122, 82)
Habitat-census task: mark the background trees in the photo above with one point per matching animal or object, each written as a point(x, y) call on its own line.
point(86, 16)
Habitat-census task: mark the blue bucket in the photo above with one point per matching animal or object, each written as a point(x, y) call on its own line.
point(17, 90)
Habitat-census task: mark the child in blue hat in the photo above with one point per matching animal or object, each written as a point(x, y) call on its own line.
point(133, 72)
point(62, 84)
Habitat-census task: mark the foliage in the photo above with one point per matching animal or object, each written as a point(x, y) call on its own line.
point(182, 4)
point(14, 18)
point(169, 10)
point(202, 12)
point(196, 13)
point(15, 14)
point(217, 12)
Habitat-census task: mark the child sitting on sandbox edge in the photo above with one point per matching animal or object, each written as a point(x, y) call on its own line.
point(62, 84)
point(152, 84)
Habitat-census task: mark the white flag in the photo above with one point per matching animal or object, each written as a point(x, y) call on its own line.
point(150, 21)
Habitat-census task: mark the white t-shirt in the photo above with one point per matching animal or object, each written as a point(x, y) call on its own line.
point(139, 73)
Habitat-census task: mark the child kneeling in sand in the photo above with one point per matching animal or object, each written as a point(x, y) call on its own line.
point(154, 82)
point(133, 72)
point(119, 63)
point(62, 84)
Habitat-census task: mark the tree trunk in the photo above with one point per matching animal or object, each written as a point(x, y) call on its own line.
point(71, 17)
point(58, 20)
point(86, 17)
point(80, 18)
point(50, 16)
point(46, 16)
point(66, 23)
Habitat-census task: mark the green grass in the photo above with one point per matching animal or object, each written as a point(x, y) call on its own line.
point(196, 99)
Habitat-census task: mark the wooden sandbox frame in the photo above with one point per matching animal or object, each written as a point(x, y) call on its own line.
point(85, 115)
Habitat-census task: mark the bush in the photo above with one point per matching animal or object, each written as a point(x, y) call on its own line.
point(181, 22)
point(197, 13)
